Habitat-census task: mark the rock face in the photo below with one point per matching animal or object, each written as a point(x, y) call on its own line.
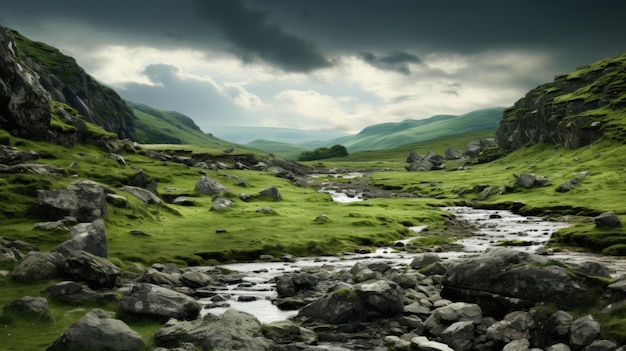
point(566, 111)
point(97, 331)
point(513, 280)
point(24, 102)
point(68, 83)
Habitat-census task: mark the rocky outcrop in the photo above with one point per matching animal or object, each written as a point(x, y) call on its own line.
point(566, 112)
point(97, 331)
point(64, 81)
point(24, 101)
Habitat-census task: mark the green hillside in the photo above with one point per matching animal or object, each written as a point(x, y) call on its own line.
point(391, 135)
point(154, 126)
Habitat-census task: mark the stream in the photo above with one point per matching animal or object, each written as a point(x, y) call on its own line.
point(255, 292)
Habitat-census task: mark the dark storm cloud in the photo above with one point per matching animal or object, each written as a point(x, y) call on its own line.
point(256, 36)
point(395, 61)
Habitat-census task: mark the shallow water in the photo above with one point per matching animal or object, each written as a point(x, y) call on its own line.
point(494, 227)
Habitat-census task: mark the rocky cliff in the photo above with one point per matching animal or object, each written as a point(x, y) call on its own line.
point(34, 74)
point(574, 110)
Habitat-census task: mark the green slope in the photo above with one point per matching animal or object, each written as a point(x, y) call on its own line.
point(392, 135)
point(154, 126)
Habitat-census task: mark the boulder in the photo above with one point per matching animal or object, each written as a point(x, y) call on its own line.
point(607, 220)
point(421, 343)
point(512, 280)
point(515, 326)
point(380, 297)
point(583, 332)
point(37, 266)
point(517, 345)
point(12, 156)
point(452, 153)
point(442, 318)
point(459, 335)
point(233, 330)
point(152, 300)
point(221, 203)
point(97, 331)
point(361, 272)
point(145, 195)
point(84, 200)
point(271, 193)
point(340, 306)
point(476, 146)
point(601, 345)
point(71, 291)
point(422, 260)
point(89, 237)
point(209, 186)
point(27, 308)
point(96, 271)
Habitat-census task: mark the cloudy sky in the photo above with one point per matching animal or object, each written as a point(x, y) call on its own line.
point(323, 64)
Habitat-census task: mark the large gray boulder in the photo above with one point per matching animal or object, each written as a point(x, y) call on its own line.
point(153, 300)
point(512, 280)
point(340, 306)
point(89, 237)
point(380, 297)
point(97, 331)
point(583, 332)
point(476, 146)
point(233, 330)
point(97, 272)
point(209, 186)
point(84, 200)
point(443, 317)
point(38, 266)
point(28, 308)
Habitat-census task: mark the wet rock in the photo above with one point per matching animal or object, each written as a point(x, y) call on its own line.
point(422, 343)
point(286, 332)
point(583, 332)
point(97, 331)
point(607, 220)
point(27, 308)
point(195, 279)
point(422, 260)
point(233, 330)
point(512, 280)
point(515, 326)
point(459, 335)
point(340, 306)
point(443, 317)
point(152, 300)
point(517, 345)
point(380, 297)
point(361, 272)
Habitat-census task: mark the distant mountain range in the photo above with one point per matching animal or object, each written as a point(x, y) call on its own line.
point(379, 136)
point(169, 127)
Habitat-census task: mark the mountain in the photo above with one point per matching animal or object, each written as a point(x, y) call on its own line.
point(391, 135)
point(574, 110)
point(154, 126)
point(243, 135)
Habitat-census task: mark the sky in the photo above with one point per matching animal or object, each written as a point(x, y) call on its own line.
point(338, 65)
